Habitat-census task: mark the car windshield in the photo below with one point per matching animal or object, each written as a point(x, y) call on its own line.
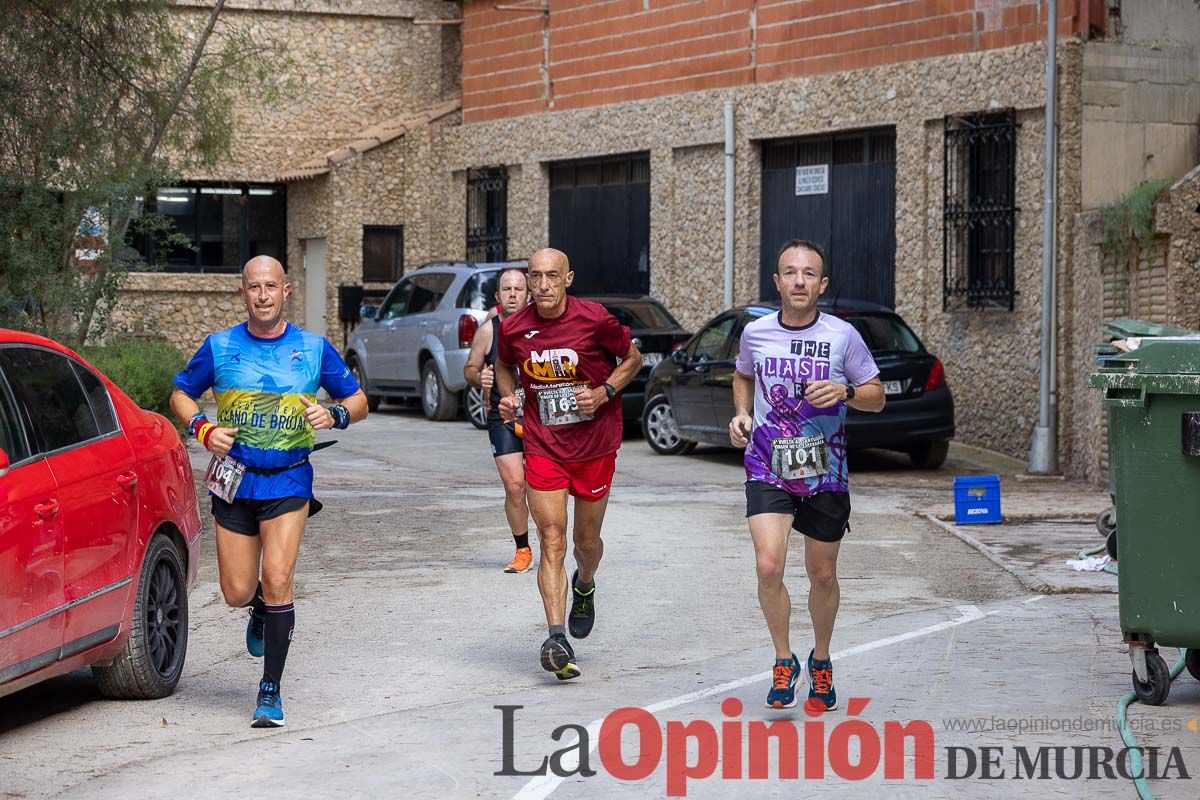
point(642, 314)
point(884, 333)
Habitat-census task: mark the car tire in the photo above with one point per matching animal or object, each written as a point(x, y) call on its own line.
point(150, 664)
point(929, 455)
point(660, 431)
point(438, 402)
point(373, 400)
point(476, 407)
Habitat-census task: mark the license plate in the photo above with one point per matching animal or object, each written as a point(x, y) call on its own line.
point(892, 387)
point(650, 359)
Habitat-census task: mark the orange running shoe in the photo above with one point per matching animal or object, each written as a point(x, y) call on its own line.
point(522, 561)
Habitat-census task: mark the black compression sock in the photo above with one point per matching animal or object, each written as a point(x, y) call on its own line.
point(522, 540)
point(257, 604)
point(281, 620)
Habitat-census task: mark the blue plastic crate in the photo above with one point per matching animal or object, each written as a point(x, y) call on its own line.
point(977, 500)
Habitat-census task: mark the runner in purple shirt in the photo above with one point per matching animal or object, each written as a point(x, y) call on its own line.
point(797, 371)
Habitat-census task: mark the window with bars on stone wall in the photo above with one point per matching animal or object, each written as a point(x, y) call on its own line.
point(979, 211)
point(487, 215)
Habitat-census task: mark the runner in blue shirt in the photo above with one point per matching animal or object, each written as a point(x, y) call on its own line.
point(265, 374)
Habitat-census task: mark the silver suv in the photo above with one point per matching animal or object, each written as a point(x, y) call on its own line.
point(415, 343)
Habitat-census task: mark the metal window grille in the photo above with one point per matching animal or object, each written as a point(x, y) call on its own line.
point(487, 215)
point(979, 219)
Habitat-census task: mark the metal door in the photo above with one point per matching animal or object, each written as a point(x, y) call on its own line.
point(600, 217)
point(838, 191)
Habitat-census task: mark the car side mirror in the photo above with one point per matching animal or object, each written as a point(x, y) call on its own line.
point(4, 462)
point(368, 312)
point(680, 358)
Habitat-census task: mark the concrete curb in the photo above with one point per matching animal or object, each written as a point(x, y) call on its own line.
point(1031, 583)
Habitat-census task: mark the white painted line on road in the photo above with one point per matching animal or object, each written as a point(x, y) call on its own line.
point(380, 512)
point(1035, 599)
point(542, 786)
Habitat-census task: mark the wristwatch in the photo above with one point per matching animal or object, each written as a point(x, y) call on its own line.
point(609, 390)
point(849, 391)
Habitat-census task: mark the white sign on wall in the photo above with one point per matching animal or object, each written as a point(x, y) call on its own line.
point(812, 180)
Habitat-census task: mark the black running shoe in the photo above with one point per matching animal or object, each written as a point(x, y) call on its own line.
point(583, 610)
point(559, 658)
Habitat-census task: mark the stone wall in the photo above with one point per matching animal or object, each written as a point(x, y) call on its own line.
point(181, 308)
point(1179, 218)
point(351, 65)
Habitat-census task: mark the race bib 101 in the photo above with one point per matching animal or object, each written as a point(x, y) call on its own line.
point(798, 457)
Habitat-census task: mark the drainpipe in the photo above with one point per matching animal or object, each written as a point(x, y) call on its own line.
point(728, 204)
point(1043, 455)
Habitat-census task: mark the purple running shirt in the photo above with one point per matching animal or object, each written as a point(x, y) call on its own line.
point(794, 446)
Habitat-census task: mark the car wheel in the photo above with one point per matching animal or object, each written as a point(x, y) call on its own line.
point(476, 407)
point(152, 661)
point(438, 402)
point(929, 455)
point(373, 400)
point(660, 431)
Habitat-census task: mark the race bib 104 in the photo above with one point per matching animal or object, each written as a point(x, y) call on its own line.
point(558, 406)
point(798, 457)
point(224, 476)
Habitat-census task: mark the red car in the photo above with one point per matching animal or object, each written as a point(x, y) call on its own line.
point(99, 527)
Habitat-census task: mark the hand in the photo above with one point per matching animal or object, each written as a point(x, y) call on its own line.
point(739, 430)
point(317, 415)
point(588, 401)
point(221, 440)
point(823, 394)
point(487, 377)
point(509, 408)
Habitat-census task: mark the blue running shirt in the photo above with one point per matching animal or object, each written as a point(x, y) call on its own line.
point(258, 384)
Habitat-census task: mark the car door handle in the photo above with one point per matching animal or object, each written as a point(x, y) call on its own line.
point(47, 509)
point(127, 480)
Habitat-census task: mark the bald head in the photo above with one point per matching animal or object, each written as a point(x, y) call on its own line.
point(263, 267)
point(550, 257)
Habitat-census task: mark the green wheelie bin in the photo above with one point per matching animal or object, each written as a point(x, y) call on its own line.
point(1152, 395)
point(1123, 329)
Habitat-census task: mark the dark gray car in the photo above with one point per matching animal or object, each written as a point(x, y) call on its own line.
point(689, 398)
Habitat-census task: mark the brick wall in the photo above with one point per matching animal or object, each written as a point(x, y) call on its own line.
point(518, 59)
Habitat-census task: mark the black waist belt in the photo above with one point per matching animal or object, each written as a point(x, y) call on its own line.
point(277, 470)
point(300, 463)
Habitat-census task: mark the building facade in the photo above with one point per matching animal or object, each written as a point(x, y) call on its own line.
point(906, 137)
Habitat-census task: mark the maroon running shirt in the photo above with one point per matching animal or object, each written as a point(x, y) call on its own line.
point(579, 348)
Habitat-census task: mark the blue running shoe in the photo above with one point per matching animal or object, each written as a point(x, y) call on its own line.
point(821, 696)
point(269, 713)
point(254, 634)
point(783, 683)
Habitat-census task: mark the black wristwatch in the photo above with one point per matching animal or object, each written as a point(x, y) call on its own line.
point(609, 390)
point(849, 391)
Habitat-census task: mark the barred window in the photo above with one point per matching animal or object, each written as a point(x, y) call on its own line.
point(979, 211)
point(487, 215)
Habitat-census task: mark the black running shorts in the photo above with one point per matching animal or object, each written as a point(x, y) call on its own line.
point(243, 516)
point(824, 516)
point(504, 439)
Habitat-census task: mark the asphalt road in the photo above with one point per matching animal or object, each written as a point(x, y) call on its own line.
point(408, 637)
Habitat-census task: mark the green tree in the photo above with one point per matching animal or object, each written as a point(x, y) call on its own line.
point(100, 102)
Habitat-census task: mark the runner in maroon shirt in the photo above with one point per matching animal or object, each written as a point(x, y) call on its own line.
point(565, 351)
